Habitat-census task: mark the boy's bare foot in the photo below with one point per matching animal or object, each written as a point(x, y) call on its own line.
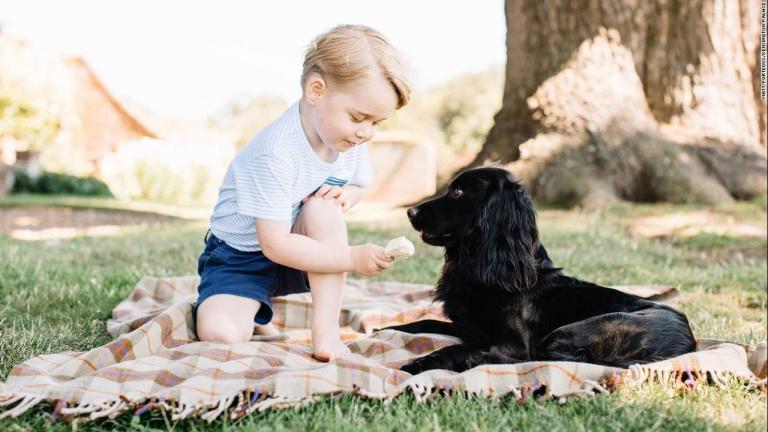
point(267, 333)
point(266, 330)
point(327, 347)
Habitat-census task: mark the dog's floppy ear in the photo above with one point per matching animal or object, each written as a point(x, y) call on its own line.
point(499, 244)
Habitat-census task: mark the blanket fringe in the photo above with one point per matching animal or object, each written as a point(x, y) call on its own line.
point(421, 392)
point(594, 386)
point(182, 411)
point(294, 402)
point(83, 408)
point(107, 409)
point(639, 374)
point(27, 402)
point(589, 388)
point(370, 395)
point(516, 392)
point(248, 401)
point(11, 399)
point(222, 405)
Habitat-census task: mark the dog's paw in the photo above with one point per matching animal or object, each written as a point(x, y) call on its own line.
point(412, 369)
point(397, 327)
point(418, 366)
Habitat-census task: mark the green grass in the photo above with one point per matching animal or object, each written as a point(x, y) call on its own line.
point(56, 296)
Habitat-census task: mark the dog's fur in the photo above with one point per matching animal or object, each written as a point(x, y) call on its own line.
point(508, 303)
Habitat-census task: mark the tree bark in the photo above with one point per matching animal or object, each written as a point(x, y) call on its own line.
point(634, 100)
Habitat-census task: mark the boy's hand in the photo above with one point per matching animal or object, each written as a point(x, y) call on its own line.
point(334, 193)
point(369, 259)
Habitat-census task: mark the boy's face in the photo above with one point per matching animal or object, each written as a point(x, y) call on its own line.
point(344, 117)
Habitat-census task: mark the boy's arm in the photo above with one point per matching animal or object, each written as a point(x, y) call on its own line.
point(279, 245)
point(346, 196)
point(305, 253)
point(354, 194)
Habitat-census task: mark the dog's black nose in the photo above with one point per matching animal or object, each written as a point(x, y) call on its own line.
point(412, 212)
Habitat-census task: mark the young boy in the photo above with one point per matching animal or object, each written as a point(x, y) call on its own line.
point(278, 226)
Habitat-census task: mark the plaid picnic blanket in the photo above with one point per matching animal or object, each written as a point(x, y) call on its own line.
point(156, 362)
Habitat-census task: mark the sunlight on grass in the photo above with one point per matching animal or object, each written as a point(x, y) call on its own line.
point(189, 212)
point(68, 233)
point(689, 224)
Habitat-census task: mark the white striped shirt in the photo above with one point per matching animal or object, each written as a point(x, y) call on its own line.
point(272, 174)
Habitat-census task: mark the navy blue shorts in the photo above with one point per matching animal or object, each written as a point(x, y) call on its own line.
point(226, 270)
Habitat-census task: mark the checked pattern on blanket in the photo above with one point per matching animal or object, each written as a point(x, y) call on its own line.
point(156, 362)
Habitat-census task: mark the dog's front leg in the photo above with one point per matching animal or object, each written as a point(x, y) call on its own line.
point(444, 358)
point(425, 326)
point(457, 358)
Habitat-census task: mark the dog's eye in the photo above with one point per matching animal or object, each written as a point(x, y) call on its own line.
point(457, 193)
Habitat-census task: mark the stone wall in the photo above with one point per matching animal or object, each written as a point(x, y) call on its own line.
point(404, 168)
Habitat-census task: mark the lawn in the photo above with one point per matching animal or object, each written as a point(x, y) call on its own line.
point(56, 295)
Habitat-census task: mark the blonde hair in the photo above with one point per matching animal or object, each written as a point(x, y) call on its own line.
point(346, 53)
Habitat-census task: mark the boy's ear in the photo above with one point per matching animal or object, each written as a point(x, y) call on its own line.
point(315, 88)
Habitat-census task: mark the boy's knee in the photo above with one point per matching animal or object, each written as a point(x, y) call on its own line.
point(322, 208)
point(322, 217)
point(222, 329)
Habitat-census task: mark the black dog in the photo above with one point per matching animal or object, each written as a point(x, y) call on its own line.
point(508, 303)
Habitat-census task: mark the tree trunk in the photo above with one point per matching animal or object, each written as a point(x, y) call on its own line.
point(634, 100)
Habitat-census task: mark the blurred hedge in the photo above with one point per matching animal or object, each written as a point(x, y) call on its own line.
point(169, 171)
point(58, 184)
